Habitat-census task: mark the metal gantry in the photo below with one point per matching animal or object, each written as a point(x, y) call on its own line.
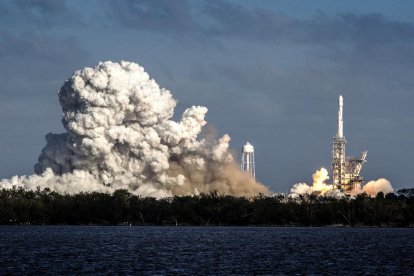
point(345, 170)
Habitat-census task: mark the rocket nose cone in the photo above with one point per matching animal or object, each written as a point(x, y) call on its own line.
point(341, 100)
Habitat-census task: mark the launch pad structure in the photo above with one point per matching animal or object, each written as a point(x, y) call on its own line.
point(345, 170)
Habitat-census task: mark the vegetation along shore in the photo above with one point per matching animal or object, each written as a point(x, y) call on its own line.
point(44, 207)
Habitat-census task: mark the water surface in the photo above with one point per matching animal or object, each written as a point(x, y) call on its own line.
point(205, 250)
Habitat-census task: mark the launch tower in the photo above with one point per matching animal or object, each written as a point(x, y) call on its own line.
point(345, 170)
point(247, 160)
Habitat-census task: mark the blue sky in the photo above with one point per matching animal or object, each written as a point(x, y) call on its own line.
point(270, 72)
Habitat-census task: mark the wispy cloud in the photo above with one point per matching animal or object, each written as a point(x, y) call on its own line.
point(154, 15)
point(45, 14)
point(229, 19)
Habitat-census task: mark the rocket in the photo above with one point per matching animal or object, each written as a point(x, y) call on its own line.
point(340, 133)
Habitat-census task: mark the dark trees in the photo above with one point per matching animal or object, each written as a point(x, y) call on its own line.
point(18, 206)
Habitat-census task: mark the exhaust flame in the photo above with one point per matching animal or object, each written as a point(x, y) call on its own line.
point(321, 188)
point(318, 186)
point(120, 135)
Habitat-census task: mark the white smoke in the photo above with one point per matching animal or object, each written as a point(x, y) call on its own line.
point(320, 187)
point(120, 136)
point(375, 186)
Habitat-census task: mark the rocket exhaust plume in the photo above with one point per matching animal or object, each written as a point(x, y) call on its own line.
point(319, 185)
point(321, 188)
point(120, 135)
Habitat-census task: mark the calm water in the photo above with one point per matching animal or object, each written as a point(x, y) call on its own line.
point(205, 250)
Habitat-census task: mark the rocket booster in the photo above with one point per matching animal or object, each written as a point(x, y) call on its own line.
point(340, 118)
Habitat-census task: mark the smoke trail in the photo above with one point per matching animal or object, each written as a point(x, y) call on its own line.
point(321, 188)
point(120, 136)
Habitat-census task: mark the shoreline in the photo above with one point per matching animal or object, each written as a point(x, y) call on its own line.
point(202, 226)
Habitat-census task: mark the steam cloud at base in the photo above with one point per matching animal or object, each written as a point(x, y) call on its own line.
point(320, 187)
point(120, 135)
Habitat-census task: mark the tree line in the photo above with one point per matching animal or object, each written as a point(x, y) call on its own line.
point(45, 207)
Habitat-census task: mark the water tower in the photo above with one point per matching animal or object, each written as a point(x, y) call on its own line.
point(247, 160)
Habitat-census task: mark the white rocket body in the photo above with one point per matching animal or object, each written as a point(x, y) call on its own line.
point(340, 118)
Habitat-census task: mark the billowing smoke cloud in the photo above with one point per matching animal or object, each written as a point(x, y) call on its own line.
point(320, 187)
point(375, 186)
point(120, 135)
